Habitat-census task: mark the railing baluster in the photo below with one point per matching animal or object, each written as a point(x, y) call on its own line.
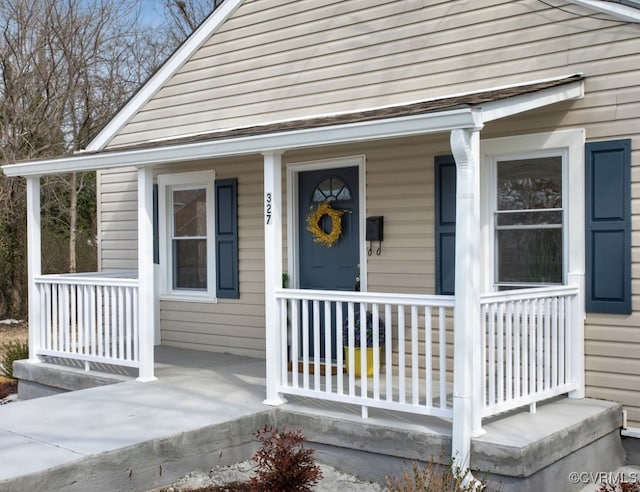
point(136, 328)
point(500, 359)
point(415, 394)
point(55, 317)
point(388, 351)
point(540, 345)
point(509, 350)
point(283, 348)
point(443, 357)
point(93, 327)
point(401, 355)
point(86, 320)
point(108, 321)
point(305, 344)
point(517, 325)
point(48, 331)
point(128, 324)
point(339, 348)
point(428, 371)
point(562, 331)
point(328, 357)
point(100, 320)
point(492, 354)
point(121, 312)
point(316, 345)
point(554, 341)
point(65, 317)
point(350, 352)
point(525, 348)
point(363, 351)
point(376, 351)
point(295, 344)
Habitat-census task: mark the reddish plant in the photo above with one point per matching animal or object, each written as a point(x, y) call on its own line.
point(283, 464)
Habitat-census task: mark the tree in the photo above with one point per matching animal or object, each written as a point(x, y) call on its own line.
point(184, 16)
point(66, 66)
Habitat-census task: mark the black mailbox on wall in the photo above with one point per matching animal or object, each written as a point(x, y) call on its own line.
point(375, 228)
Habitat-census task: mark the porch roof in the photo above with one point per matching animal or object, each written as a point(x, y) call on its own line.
point(471, 110)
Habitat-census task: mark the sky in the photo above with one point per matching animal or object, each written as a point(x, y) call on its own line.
point(151, 11)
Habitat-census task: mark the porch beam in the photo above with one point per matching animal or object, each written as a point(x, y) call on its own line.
point(146, 302)
point(275, 142)
point(465, 145)
point(34, 265)
point(273, 273)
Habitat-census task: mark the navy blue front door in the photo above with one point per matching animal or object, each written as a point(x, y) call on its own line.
point(336, 267)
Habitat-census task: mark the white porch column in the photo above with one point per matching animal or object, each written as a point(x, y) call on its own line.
point(146, 284)
point(465, 145)
point(34, 262)
point(273, 273)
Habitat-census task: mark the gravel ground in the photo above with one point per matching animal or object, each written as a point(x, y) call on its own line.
point(332, 481)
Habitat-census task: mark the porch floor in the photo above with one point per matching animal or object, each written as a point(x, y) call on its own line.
point(204, 408)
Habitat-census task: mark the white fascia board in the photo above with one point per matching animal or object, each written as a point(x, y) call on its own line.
point(296, 139)
point(164, 73)
point(519, 104)
point(619, 11)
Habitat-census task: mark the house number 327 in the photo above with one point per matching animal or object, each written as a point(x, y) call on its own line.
point(268, 208)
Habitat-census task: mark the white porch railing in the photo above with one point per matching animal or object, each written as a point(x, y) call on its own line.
point(528, 339)
point(410, 335)
point(90, 316)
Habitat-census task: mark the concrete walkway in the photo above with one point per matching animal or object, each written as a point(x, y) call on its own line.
point(43, 440)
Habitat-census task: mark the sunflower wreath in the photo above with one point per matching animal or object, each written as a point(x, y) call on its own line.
point(313, 224)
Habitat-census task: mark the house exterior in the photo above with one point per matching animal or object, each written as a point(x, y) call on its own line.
point(496, 139)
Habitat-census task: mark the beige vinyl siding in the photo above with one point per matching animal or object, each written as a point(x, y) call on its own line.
point(118, 219)
point(276, 59)
point(229, 325)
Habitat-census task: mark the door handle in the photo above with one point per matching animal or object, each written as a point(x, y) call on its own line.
point(357, 286)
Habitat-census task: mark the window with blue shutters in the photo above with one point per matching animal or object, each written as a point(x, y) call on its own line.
point(196, 235)
point(608, 226)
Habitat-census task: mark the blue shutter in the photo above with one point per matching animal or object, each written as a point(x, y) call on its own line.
point(608, 227)
point(445, 226)
point(227, 282)
point(156, 233)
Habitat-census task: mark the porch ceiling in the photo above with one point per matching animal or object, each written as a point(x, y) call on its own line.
point(469, 110)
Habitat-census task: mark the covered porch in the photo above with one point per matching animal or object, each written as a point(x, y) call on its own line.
point(463, 357)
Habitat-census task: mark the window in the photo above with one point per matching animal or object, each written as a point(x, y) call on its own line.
point(533, 210)
point(187, 232)
point(528, 221)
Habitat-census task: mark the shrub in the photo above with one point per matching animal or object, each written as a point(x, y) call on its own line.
point(432, 477)
point(14, 350)
point(283, 464)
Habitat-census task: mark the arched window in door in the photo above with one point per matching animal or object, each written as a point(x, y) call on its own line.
point(330, 190)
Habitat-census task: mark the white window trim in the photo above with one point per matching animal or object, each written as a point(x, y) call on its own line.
point(169, 182)
point(570, 145)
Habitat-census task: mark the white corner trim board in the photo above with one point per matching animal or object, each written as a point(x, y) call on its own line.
point(617, 10)
point(164, 73)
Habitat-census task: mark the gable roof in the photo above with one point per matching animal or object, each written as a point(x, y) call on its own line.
point(470, 110)
point(165, 72)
